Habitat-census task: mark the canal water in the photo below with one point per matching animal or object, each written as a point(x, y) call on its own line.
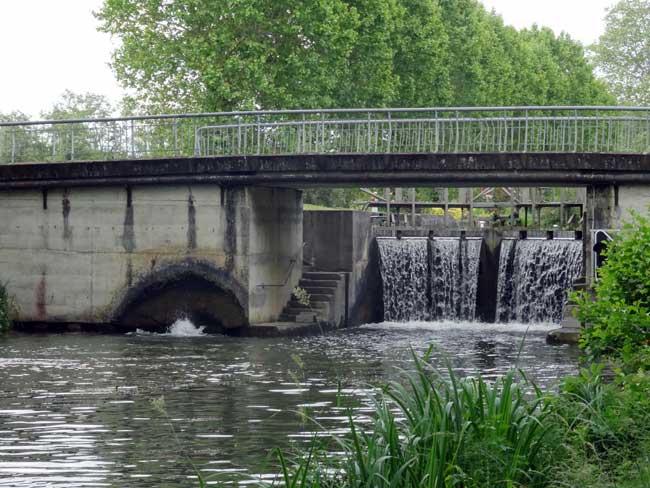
point(134, 410)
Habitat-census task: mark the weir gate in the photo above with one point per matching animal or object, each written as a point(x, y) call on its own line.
point(129, 220)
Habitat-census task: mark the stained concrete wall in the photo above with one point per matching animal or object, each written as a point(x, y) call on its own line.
point(81, 255)
point(608, 207)
point(342, 242)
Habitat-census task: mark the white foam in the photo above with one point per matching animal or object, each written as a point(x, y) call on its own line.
point(180, 328)
point(185, 328)
point(446, 325)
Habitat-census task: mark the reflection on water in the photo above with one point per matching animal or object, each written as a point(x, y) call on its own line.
point(76, 410)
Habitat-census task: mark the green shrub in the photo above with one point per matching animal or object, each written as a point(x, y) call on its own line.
point(607, 429)
point(619, 317)
point(5, 310)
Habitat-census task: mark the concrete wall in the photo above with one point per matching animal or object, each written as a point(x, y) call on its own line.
point(86, 254)
point(608, 207)
point(342, 242)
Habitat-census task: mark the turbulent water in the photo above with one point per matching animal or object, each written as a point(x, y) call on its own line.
point(534, 278)
point(77, 411)
point(405, 278)
point(453, 271)
point(429, 279)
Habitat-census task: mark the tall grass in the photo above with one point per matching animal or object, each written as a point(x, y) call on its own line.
point(433, 432)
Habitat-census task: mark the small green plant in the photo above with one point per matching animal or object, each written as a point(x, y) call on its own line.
point(302, 296)
point(6, 308)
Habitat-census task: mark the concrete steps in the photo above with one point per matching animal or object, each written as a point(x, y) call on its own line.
point(321, 287)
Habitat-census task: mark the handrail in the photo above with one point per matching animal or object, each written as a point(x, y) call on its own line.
point(514, 108)
point(606, 129)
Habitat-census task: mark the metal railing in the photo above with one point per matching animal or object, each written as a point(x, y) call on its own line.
point(355, 131)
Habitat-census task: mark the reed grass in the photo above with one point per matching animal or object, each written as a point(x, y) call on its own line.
point(436, 432)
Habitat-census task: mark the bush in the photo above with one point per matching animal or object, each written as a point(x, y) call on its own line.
point(619, 317)
point(607, 430)
point(5, 310)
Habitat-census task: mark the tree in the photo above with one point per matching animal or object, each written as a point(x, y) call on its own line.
point(79, 106)
point(622, 54)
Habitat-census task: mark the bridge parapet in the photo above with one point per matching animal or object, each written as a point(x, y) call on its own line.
point(351, 131)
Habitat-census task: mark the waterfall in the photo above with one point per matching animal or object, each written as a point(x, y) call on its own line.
point(429, 279)
point(405, 279)
point(453, 270)
point(534, 277)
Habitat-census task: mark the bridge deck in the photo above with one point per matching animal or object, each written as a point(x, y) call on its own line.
point(333, 170)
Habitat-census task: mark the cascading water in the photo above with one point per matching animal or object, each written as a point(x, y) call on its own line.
point(429, 279)
point(534, 277)
point(454, 266)
point(405, 279)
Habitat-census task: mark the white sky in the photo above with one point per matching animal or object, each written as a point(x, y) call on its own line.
point(48, 46)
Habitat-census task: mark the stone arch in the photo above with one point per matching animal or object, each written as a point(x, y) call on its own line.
point(196, 289)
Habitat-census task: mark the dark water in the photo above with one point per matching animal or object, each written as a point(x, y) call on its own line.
point(76, 410)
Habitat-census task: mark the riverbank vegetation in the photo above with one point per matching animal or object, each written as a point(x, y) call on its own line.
point(430, 430)
point(468, 432)
point(5, 310)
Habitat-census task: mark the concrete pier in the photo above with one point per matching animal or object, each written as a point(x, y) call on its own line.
point(143, 255)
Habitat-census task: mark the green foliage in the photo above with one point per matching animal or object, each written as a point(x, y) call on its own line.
point(619, 316)
point(607, 429)
point(209, 55)
point(79, 106)
point(469, 433)
point(5, 310)
point(622, 54)
point(441, 433)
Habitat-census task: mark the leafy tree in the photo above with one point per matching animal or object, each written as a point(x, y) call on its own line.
point(619, 317)
point(19, 144)
point(79, 106)
point(622, 54)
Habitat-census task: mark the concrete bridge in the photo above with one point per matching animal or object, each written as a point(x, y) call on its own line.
point(129, 220)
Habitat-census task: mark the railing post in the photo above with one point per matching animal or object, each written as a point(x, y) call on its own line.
point(526, 132)
point(132, 138)
point(197, 140)
point(575, 136)
point(259, 136)
point(239, 135)
point(175, 129)
point(71, 143)
point(322, 118)
point(435, 117)
point(369, 133)
point(647, 132)
point(390, 133)
point(457, 131)
point(13, 144)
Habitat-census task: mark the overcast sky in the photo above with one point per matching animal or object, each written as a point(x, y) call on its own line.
point(52, 45)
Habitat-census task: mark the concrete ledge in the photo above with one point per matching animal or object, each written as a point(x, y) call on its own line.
point(470, 169)
point(563, 335)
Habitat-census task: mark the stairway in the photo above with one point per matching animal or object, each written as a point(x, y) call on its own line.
point(321, 287)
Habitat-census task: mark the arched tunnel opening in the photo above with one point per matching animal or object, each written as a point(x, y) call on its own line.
point(156, 306)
